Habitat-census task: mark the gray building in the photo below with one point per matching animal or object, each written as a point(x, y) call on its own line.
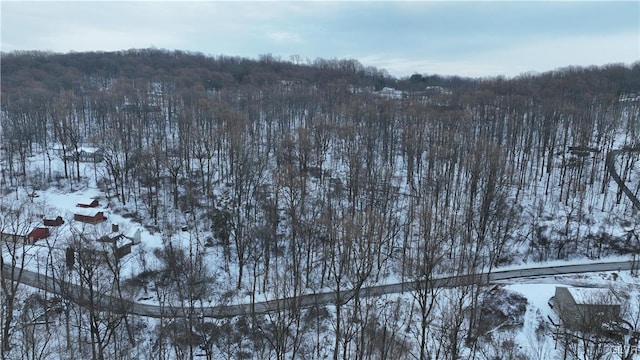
point(586, 308)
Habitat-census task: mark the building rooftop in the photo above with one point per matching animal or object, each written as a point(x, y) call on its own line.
point(88, 211)
point(593, 296)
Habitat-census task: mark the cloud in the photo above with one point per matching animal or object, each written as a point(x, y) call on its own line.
point(466, 38)
point(539, 56)
point(284, 36)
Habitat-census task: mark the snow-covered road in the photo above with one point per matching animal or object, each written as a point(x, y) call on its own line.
point(75, 292)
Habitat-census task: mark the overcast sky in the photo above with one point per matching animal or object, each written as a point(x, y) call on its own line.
point(478, 38)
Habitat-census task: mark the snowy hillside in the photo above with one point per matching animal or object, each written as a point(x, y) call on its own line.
point(220, 182)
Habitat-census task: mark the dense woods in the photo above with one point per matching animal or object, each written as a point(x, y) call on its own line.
point(305, 177)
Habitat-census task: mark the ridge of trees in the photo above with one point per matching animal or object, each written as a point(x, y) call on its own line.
point(57, 71)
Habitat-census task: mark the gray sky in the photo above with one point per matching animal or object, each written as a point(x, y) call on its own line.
point(476, 38)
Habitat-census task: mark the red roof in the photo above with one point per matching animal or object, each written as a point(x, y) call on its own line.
point(93, 203)
point(38, 233)
point(89, 217)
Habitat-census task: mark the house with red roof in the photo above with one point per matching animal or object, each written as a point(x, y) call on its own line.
point(34, 235)
point(89, 216)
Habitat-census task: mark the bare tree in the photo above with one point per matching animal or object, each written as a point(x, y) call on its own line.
point(96, 268)
point(16, 223)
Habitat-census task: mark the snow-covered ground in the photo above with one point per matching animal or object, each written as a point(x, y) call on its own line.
point(561, 219)
point(536, 335)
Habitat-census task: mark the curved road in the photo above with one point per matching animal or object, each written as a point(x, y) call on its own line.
point(75, 293)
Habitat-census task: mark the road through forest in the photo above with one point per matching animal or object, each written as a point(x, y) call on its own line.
point(77, 293)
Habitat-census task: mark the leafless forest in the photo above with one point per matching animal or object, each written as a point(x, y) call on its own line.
point(304, 176)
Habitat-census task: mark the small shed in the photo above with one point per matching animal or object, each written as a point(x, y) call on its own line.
point(120, 243)
point(586, 308)
point(89, 217)
point(53, 222)
point(89, 204)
